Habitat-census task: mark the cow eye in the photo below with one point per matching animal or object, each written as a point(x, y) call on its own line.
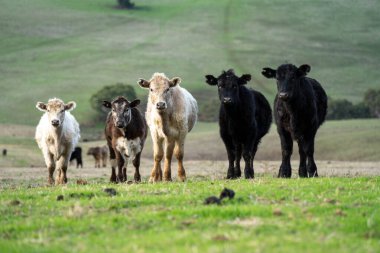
point(167, 89)
point(151, 90)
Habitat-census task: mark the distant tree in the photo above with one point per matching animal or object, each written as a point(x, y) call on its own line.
point(372, 100)
point(109, 93)
point(127, 4)
point(344, 109)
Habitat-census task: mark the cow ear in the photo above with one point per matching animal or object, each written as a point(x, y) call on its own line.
point(70, 106)
point(143, 83)
point(134, 103)
point(211, 80)
point(41, 106)
point(174, 81)
point(303, 70)
point(244, 79)
point(269, 73)
point(107, 104)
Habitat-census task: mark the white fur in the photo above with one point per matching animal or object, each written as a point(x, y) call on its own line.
point(128, 148)
point(57, 142)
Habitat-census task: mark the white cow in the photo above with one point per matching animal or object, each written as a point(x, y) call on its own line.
point(57, 134)
point(171, 114)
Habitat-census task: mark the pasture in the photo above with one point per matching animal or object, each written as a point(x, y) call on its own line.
point(267, 215)
point(74, 48)
point(70, 49)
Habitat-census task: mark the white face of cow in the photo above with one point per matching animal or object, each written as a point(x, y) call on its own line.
point(55, 109)
point(160, 92)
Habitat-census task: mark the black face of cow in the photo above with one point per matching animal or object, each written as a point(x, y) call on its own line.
point(121, 111)
point(228, 86)
point(288, 79)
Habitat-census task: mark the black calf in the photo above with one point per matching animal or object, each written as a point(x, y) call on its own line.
point(244, 118)
point(300, 108)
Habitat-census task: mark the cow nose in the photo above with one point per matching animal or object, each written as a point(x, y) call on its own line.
point(161, 105)
point(283, 95)
point(55, 122)
point(227, 100)
point(119, 124)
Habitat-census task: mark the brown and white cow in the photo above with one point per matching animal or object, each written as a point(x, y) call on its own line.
point(99, 154)
point(57, 134)
point(171, 114)
point(125, 132)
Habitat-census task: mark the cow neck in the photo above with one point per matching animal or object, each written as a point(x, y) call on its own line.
point(232, 111)
point(129, 132)
point(57, 133)
point(165, 121)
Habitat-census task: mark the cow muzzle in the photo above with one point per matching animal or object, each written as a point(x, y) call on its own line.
point(283, 96)
point(161, 106)
point(119, 124)
point(227, 100)
point(55, 123)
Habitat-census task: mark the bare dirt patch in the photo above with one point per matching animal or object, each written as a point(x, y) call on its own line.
point(195, 170)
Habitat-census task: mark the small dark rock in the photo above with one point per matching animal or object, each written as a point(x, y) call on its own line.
point(15, 202)
point(81, 182)
point(60, 197)
point(110, 191)
point(227, 193)
point(212, 200)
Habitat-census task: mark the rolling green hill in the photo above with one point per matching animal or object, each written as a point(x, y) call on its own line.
point(71, 48)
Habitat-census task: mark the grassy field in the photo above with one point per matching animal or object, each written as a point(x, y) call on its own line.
point(70, 49)
point(266, 215)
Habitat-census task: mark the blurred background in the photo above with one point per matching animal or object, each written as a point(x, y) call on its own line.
point(86, 50)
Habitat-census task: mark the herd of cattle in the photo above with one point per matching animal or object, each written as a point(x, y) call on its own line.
point(245, 117)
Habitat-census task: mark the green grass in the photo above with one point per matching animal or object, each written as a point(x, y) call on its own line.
point(266, 215)
point(70, 49)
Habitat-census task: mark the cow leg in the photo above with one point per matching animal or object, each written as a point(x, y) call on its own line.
point(287, 150)
point(50, 164)
point(136, 164)
point(158, 150)
point(113, 164)
point(247, 156)
point(230, 148)
point(179, 153)
point(120, 166)
point(237, 170)
point(302, 172)
point(311, 166)
point(169, 147)
point(62, 164)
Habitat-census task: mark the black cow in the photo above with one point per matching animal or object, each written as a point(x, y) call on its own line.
point(245, 117)
point(5, 152)
point(77, 155)
point(300, 108)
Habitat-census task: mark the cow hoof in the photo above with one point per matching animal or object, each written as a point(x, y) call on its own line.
point(181, 178)
point(137, 178)
point(167, 179)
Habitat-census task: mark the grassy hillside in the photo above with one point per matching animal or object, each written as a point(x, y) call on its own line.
point(266, 215)
point(72, 48)
point(346, 140)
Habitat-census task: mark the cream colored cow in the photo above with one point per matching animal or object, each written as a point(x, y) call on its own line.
point(171, 114)
point(57, 134)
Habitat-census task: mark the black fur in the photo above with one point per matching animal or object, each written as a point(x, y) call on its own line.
point(77, 155)
point(299, 108)
point(245, 117)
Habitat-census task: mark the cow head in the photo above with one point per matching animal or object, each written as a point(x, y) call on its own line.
point(55, 109)
point(228, 85)
point(121, 110)
point(288, 78)
point(160, 90)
